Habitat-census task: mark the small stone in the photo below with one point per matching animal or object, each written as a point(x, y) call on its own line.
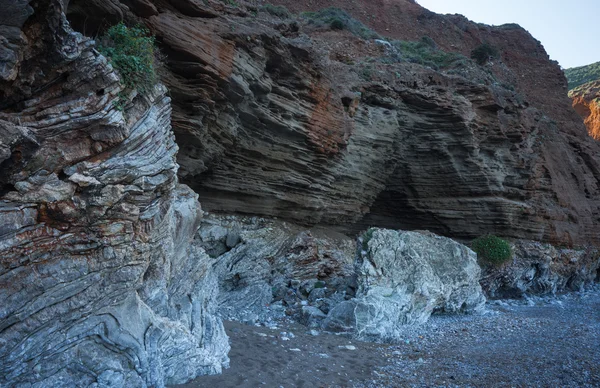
point(295, 350)
point(314, 332)
point(348, 347)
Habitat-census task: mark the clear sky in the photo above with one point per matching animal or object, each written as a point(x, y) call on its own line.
point(568, 29)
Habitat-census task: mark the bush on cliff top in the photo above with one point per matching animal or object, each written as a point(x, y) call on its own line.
point(277, 10)
point(426, 53)
point(131, 51)
point(337, 19)
point(492, 250)
point(577, 76)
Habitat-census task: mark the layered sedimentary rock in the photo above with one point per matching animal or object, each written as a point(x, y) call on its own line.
point(277, 117)
point(586, 102)
point(403, 277)
point(98, 281)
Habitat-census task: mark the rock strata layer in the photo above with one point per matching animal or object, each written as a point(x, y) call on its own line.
point(281, 117)
point(98, 281)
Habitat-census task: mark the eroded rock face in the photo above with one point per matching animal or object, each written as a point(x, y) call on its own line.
point(541, 269)
point(403, 277)
point(98, 281)
point(278, 118)
point(586, 102)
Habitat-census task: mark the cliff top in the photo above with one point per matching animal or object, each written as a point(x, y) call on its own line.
point(578, 76)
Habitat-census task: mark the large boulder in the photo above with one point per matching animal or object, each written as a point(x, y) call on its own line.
point(264, 264)
point(403, 277)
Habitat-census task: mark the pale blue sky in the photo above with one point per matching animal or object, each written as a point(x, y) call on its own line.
point(568, 29)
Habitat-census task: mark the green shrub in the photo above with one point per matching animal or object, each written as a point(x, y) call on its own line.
point(131, 51)
point(277, 10)
point(428, 41)
point(337, 24)
point(426, 53)
point(581, 75)
point(483, 53)
point(336, 18)
point(492, 250)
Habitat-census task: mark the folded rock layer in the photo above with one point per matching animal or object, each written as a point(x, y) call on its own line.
point(98, 281)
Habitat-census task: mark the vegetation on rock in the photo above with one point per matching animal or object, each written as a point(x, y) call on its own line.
point(577, 76)
point(492, 250)
point(483, 53)
point(277, 10)
point(426, 53)
point(338, 19)
point(131, 51)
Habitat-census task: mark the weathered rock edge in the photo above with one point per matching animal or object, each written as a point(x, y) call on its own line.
point(98, 281)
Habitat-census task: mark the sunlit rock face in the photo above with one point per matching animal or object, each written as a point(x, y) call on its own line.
point(98, 282)
point(586, 101)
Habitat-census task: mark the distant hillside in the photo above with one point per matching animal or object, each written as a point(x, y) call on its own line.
point(580, 75)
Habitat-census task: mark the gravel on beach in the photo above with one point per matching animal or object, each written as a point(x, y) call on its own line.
point(534, 342)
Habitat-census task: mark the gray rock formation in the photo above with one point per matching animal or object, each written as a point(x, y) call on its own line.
point(267, 264)
point(98, 281)
point(541, 269)
point(403, 277)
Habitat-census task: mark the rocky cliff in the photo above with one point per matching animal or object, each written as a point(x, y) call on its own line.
point(282, 116)
point(101, 279)
point(98, 282)
point(586, 102)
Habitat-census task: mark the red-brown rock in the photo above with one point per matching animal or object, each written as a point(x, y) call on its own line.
point(278, 117)
point(586, 102)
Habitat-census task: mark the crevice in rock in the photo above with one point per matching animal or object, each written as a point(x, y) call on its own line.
point(89, 18)
point(5, 189)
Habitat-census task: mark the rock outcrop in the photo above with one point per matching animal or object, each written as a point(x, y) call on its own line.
point(372, 288)
point(107, 276)
point(586, 102)
point(267, 268)
point(403, 277)
point(98, 281)
point(541, 269)
point(284, 118)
